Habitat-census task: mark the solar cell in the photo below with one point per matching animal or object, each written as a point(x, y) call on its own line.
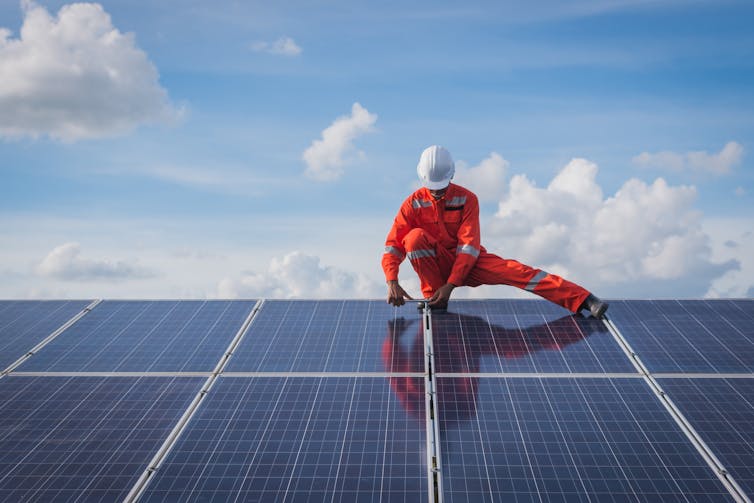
point(522, 336)
point(144, 336)
point(722, 412)
point(297, 439)
point(24, 324)
point(331, 336)
point(565, 439)
point(689, 336)
point(83, 438)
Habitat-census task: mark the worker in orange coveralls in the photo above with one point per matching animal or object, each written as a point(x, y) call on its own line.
point(437, 228)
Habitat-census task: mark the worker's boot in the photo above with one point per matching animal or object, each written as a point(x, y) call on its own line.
point(595, 306)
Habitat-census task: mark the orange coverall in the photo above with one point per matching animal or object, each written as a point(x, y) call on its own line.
point(442, 241)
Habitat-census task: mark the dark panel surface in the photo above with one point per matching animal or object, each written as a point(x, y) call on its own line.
point(722, 412)
point(564, 439)
point(689, 335)
point(26, 323)
point(297, 439)
point(331, 336)
point(83, 438)
point(522, 336)
point(145, 336)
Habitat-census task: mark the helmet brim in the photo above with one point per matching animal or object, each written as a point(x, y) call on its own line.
point(436, 185)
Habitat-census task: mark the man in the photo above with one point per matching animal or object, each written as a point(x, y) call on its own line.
point(437, 227)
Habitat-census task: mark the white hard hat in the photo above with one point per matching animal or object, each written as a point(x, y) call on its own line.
point(436, 167)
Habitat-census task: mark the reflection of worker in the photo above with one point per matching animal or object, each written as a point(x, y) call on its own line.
point(437, 227)
point(458, 349)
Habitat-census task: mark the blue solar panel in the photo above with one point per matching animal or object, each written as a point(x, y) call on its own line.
point(297, 439)
point(24, 324)
point(141, 336)
point(83, 438)
point(522, 336)
point(565, 439)
point(722, 412)
point(331, 336)
point(689, 335)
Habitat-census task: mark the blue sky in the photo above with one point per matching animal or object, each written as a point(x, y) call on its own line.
point(157, 149)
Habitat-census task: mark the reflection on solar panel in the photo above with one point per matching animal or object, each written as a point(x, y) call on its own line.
point(722, 411)
point(297, 439)
point(563, 439)
point(144, 336)
point(357, 400)
point(23, 324)
point(511, 336)
point(689, 335)
point(74, 438)
point(330, 336)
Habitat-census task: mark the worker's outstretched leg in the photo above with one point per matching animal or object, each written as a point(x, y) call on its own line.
point(493, 270)
point(431, 262)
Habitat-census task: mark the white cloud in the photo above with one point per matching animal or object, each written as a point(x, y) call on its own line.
point(486, 180)
point(732, 239)
point(298, 275)
point(696, 161)
point(75, 76)
point(326, 158)
point(644, 241)
point(65, 262)
point(284, 46)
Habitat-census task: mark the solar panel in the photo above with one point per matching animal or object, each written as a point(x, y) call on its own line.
point(565, 439)
point(331, 336)
point(689, 335)
point(522, 336)
point(722, 412)
point(24, 324)
point(83, 438)
point(144, 336)
point(532, 402)
point(297, 439)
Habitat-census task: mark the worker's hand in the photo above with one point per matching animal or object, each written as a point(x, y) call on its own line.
point(396, 293)
point(442, 296)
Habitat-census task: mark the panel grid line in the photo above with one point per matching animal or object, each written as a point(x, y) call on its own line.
point(434, 460)
point(717, 467)
point(49, 338)
point(141, 484)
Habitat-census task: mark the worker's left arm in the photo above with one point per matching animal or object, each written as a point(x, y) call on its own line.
point(469, 242)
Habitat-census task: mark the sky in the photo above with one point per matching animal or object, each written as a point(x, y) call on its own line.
point(247, 149)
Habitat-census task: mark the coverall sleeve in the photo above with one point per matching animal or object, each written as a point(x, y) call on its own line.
point(469, 242)
point(394, 251)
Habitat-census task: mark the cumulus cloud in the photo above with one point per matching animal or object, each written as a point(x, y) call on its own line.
point(646, 240)
point(486, 180)
point(75, 76)
point(298, 275)
point(65, 262)
point(326, 158)
point(697, 161)
point(284, 46)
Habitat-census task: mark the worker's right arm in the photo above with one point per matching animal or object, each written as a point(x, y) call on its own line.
point(395, 253)
point(396, 294)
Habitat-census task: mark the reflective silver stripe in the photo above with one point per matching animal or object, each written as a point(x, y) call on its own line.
point(535, 280)
point(394, 251)
point(468, 249)
point(421, 203)
point(412, 255)
point(457, 201)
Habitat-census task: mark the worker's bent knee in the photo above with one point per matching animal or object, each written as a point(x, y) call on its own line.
point(417, 239)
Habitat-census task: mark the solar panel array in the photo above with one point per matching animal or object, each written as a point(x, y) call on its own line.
point(359, 401)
